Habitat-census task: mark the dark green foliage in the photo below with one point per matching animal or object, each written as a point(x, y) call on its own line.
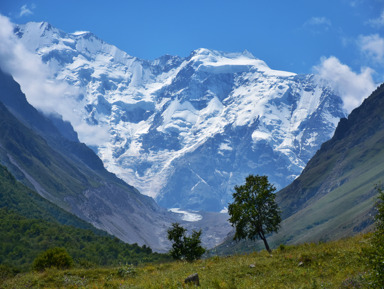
point(53, 258)
point(22, 240)
point(376, 252)
point(184, 247)
point(7, 272)
point(176, 235)
point(193, 248)
point(254, 212)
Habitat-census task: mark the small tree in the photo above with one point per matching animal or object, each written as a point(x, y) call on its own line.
point(55, 257)
point(176, 235)
point(193, 248)
point(184, 247)
point(254, 212)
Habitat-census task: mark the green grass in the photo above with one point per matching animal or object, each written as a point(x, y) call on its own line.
point(337, 264)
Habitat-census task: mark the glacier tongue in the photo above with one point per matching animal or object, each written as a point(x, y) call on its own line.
point(187, 130)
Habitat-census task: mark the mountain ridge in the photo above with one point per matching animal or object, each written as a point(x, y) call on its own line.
point(163, 116)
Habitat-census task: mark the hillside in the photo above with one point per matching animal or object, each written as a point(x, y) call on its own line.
point(29, 225)
point(334, 196)
point(16, 197)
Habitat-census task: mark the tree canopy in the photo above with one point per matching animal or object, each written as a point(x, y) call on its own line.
point(254, 212)
point(184, 247)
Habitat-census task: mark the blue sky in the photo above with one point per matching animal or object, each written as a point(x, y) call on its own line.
point(287, 35)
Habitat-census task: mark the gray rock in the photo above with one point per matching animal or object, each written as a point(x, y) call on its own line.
point(194, 278)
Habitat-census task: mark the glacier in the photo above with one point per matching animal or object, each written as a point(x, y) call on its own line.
point(186, 130)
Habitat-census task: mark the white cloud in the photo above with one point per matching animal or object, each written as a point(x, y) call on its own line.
point(372, 46)
point(43, 92)
point(316, 23)
point(25, 11)
point(377, 22)
point(353, 87)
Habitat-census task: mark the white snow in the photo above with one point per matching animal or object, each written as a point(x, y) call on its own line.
point(189, 216)
point(260, 135)
point(77, 33)
point(131, 87)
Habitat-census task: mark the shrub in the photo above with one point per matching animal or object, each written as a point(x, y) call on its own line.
point(7, 271)
point(376, 252)
point(127, 271)
point(55, 257)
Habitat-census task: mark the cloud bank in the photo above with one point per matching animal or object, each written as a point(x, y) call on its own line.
point(372, 46)
point(353, 87)
point(43, 92)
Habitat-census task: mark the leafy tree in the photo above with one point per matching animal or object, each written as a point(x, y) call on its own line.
point(184, 247)
point(55, 257)
point(254, 212)
point(176, 235)
point(376, 252)
point(193, 248)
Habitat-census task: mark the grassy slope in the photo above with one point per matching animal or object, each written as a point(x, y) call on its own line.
point(336, 264)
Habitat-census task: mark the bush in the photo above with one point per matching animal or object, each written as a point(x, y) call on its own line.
point(127, 271)
point(55, 257)
point(376, 256)
point(7, 272)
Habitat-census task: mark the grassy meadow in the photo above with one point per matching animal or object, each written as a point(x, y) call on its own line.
point(337, 264)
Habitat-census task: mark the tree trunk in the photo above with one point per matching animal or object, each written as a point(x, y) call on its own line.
point(262, 237)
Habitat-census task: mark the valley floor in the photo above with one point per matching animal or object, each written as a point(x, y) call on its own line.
point(338, 264)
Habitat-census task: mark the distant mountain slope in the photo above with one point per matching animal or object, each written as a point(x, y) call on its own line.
point(29, 225)
point(16, 197)
point(334, 196)
point(69, 174)
point(187, 130)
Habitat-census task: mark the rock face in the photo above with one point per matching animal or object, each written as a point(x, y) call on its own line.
point(187, 130)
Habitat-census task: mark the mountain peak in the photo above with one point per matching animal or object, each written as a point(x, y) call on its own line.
point(213, 116)
point(215, 61)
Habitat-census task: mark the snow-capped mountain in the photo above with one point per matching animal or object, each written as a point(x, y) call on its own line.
point(187, 130)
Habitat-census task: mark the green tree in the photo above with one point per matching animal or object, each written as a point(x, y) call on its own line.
point(176, 235)
point(55, 257)
point(376, 252)
point(254, 212)
point(184, 247)
point(193, 248)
